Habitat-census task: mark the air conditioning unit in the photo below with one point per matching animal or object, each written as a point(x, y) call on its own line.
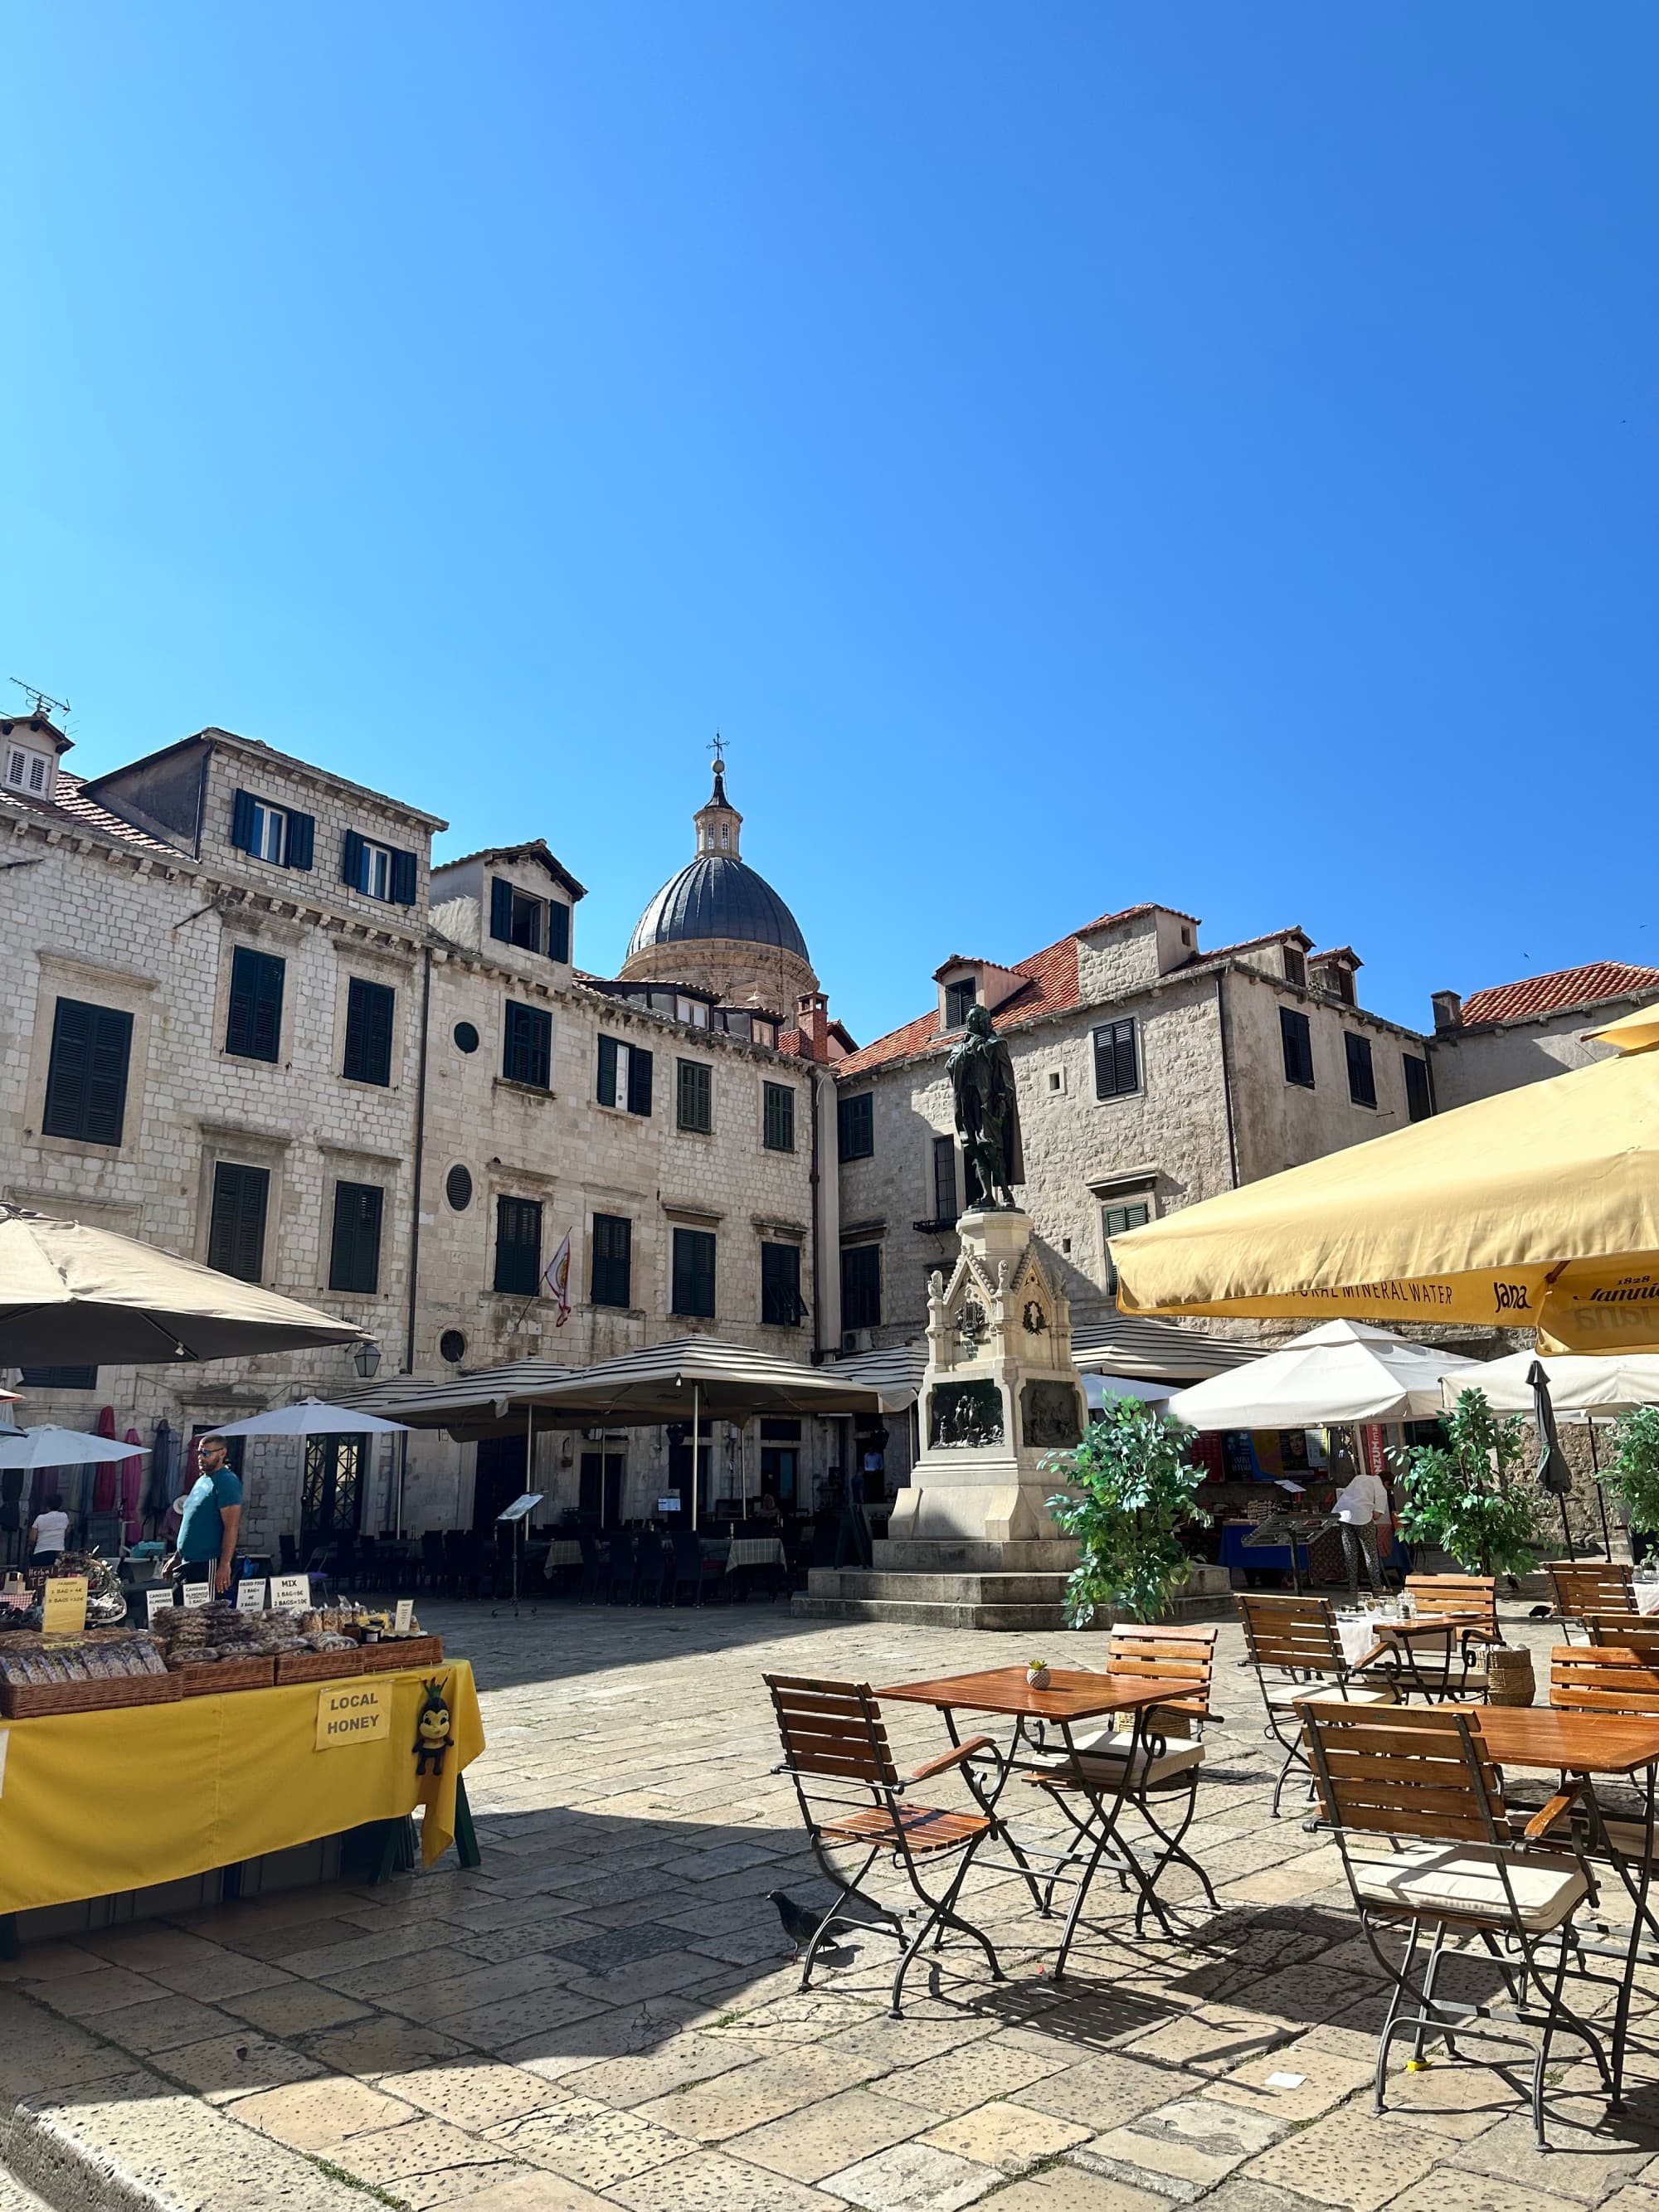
point(855, 1339)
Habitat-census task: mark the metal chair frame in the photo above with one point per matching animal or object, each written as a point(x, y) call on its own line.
point(1421, 1773)
point(834, 1738)
point(1294, 1638)
point(1437, 1593)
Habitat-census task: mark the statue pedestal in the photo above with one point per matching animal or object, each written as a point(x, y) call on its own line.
point(971, 1543)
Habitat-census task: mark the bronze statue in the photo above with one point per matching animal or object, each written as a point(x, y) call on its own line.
point(987, 1120)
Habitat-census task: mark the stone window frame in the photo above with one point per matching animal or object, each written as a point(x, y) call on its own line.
point(355, 1163)
point(682, 1127)
point(227, 1142)
point(61, 976)
point(355, 964)
point(280, 942)
point(769, 1084)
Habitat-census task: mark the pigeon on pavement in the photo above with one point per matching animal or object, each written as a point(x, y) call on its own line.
point(800, 1924)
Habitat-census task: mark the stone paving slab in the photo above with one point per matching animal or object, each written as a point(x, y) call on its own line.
point(605, 2012)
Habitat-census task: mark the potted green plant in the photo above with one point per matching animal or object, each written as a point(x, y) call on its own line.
point(1458, 1496)
point(1129, 1496)
point(1634, 1471)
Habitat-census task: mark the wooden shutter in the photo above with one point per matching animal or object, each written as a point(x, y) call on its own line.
point(778, 1117)
point(607, 1071)
point(944, 1178)
point(694, 1272)
point(241, 821)
point(519, 1246)
point(860, 1287)
point(855, 1127)
point(236, 1226)
point(254, 1028)
point(638, 1080)
point(87, 1076)
point(1362, 1077)
point(404, 877)
point(529, 1055)
point(355, 1260)
point(780, 1305)
point(369, 1010)
point(558, 930)
point(500, 909)
point(610, 1268)
point(301, 839)
point(351, 860)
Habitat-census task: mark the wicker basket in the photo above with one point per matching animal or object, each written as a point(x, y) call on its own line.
point(22, 1701)
point(394, 1654)
point(317, 1666)
point(1509, 1676)
point(228, 1674)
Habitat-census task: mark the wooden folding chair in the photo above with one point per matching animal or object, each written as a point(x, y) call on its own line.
point(1164, 1764)
point(1630, 1632)
point(852, 1796)
point(1294, 1647)
point(1462, 1673)
point(1418, 1779)
point(1580, 1587)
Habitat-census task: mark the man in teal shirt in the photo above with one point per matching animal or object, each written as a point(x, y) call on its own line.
point(212, 1516)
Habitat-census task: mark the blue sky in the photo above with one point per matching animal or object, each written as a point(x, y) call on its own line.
point(1076, 453)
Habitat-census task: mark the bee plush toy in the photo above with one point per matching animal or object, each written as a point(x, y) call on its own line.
point(432, 1730)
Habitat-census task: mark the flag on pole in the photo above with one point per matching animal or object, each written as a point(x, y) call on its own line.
point(557, 1280)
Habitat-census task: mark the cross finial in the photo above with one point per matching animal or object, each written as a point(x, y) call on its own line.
point(719, 750)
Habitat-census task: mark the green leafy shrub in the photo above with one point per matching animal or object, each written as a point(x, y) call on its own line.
point(1634, 1472)
point(1129, 1496)
point(1457, 1496)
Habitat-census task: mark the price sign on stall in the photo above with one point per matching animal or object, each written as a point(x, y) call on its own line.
point(198, 1593)
point(158, 1598)
point(63, 1611)
point(405, 1614)
point(290, 1593)
point(251, 1594)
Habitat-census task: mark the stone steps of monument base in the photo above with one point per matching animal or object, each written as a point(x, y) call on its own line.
point(976, 1601)
point(936, 1590)
point(911, 1613)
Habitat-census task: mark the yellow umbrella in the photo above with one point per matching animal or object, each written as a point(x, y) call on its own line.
point(1537, 1209)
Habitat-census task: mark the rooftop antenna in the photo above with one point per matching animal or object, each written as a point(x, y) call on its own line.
point(41, 702)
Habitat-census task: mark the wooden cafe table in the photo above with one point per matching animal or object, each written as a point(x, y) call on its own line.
point(1585, 1744)
point(1392, 1646)
point(1072, 1696)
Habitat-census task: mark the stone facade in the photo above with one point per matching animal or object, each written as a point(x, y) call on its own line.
point(1200, 1101)
point(132, 894)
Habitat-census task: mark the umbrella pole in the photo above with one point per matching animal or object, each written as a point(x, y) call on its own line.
point(1601, 1494)
point(697, 1449)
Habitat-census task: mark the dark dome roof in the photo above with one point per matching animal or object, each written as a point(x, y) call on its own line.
point(718, 896)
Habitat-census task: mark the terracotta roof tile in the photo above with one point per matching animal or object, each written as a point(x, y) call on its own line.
point(69, 806)
point(1564, 986)
point(1050, 988)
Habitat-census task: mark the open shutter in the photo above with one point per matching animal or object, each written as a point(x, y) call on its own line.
point(500, 909)
point(107, 1081)
point(241, 821)
point(71, 1061)
point(607, 1071)
point(403, 876)
point(558, 930)
point(638, 1080)
point(351, 860)
point(301, 837)
point(1128, 1075)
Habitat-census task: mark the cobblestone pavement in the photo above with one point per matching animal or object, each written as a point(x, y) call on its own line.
point(605, 2012)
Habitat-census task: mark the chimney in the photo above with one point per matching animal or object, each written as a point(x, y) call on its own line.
point(812, 1020)
point(1448, 1010)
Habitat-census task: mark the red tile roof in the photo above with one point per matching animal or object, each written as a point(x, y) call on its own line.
point(68, 806)
point(1051, 988)
point(1553, 993)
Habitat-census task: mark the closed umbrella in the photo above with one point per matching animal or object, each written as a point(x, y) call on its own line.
point(70, 1293)
point(163, 1466)
point(104, 1482)
point(1553, 1473)
point(1538, 1208)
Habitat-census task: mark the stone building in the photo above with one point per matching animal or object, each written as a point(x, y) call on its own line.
point(1514, 1033)
point(1151, 1073)
point(246, 1019)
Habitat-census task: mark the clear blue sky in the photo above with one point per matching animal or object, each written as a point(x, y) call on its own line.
point(1077, 453)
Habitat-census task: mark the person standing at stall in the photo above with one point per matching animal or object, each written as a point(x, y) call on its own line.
point(212, 1517)
point(48, 1533)
point(1363, 1514)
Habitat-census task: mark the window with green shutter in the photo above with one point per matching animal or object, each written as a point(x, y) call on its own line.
point(781, 1299)
point(855, 1126)
point(236, 1224)
point(369, 1010)
point(611, 1261)
point(694, 1273)
point(1117, 1062)
point(87, 1075)
point(1419, 1099)
point(860, 1287)
point(1362, 1076)
point(253, 1025)
point(1297, 1040)
point(959, 998)
point(519, 1246)
point(1117, 1221)
point(527, 1046)
point(354, 1254)
point(695, 1097)
point(777, 1117)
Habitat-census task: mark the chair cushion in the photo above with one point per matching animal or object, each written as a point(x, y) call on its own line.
point(1102, 1757)
point(1462, 1878)
point(1283, 1695)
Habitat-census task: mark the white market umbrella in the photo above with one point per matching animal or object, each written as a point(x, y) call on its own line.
point(1581, 1384)
point(1341, 1371)
point(70, 1294)
point(1099, 1389)
point(312, 1417)
point(48, 1446)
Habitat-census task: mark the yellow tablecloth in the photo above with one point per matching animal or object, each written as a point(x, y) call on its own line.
point(94, 1803)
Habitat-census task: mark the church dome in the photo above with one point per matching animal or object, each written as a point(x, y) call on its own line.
point(718, 896)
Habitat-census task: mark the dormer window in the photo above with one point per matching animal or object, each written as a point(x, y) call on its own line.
point(959, 998)
point(534, 924)
point(1296, 966)
point(27, 770)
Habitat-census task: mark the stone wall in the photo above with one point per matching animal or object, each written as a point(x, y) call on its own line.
point(1476, 1063)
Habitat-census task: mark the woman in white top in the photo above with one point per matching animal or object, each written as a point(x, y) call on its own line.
point(49, 1532)
point(1362, 1508)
